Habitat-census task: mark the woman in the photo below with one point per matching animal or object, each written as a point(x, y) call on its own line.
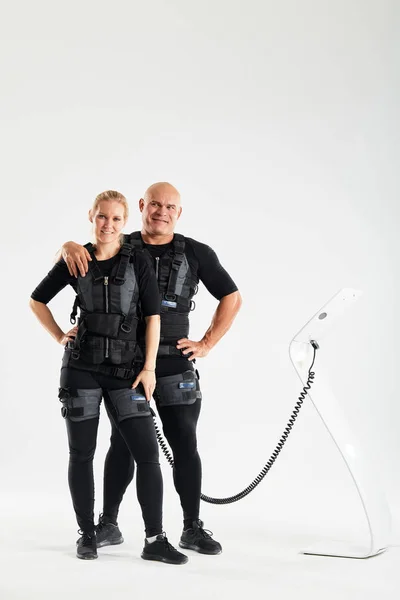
point(97, 364)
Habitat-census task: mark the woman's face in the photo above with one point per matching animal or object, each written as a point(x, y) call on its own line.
point(108, 221)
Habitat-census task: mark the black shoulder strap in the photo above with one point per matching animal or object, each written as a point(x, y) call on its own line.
point(125, 254)
point(177, 259)
point(93, 264)
point(89, 247)
point(72, 316)
point(135, 240)
point(179, 243)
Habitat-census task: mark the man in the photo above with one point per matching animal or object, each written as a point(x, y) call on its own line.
point(180, 263)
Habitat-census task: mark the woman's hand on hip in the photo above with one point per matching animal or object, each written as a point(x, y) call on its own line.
point(68, 337)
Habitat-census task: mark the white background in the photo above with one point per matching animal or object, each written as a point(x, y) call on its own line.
point(278, 122)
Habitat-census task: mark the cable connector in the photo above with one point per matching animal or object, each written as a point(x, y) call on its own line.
point(314, 344)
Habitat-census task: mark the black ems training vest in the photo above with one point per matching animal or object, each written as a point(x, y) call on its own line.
point(177, 288)
point(108, 313)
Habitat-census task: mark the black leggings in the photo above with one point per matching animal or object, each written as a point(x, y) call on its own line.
point(179, 426)
point(138, 437)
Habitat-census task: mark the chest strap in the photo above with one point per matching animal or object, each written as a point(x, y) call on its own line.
point(125, 254)
point(177, 260)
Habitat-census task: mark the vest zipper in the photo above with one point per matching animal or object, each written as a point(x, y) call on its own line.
point(106, 296)
point(157, 259)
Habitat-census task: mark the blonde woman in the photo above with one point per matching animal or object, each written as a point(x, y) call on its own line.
point(118, 289)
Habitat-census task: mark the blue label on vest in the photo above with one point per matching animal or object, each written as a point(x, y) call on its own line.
point(137, 397)
point(168, 303)
point(187, 385)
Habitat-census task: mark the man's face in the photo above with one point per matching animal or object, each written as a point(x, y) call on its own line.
point(160, 211)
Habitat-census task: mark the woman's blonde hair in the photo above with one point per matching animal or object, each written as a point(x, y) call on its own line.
point(111, 196)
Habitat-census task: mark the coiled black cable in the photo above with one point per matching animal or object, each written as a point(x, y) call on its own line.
point(274, 455)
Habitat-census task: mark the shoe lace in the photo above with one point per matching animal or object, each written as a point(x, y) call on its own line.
point(205, 533)
point(87, 538)
point(166, 543)
point(100, 524)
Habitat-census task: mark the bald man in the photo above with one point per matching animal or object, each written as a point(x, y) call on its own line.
point(180, 263)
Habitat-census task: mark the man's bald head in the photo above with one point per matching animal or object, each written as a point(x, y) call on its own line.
point(160, 208)
point(161, 188)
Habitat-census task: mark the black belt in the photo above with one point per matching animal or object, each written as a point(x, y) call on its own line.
point(119, 372)
point(163, 350)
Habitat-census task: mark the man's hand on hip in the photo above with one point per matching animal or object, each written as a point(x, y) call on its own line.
point(195, 349)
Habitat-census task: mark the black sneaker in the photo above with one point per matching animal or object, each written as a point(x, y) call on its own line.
point(199, 539)
point(163, 551)
point(107, 533)
point(86, 546)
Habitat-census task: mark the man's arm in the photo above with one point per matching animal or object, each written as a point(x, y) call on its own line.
point(222, 320)
point(76, 257)
point(220, 285)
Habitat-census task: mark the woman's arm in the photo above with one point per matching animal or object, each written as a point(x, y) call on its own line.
point(147, 376)
point(45, 317)
point(152, 342)
point(150, 306)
